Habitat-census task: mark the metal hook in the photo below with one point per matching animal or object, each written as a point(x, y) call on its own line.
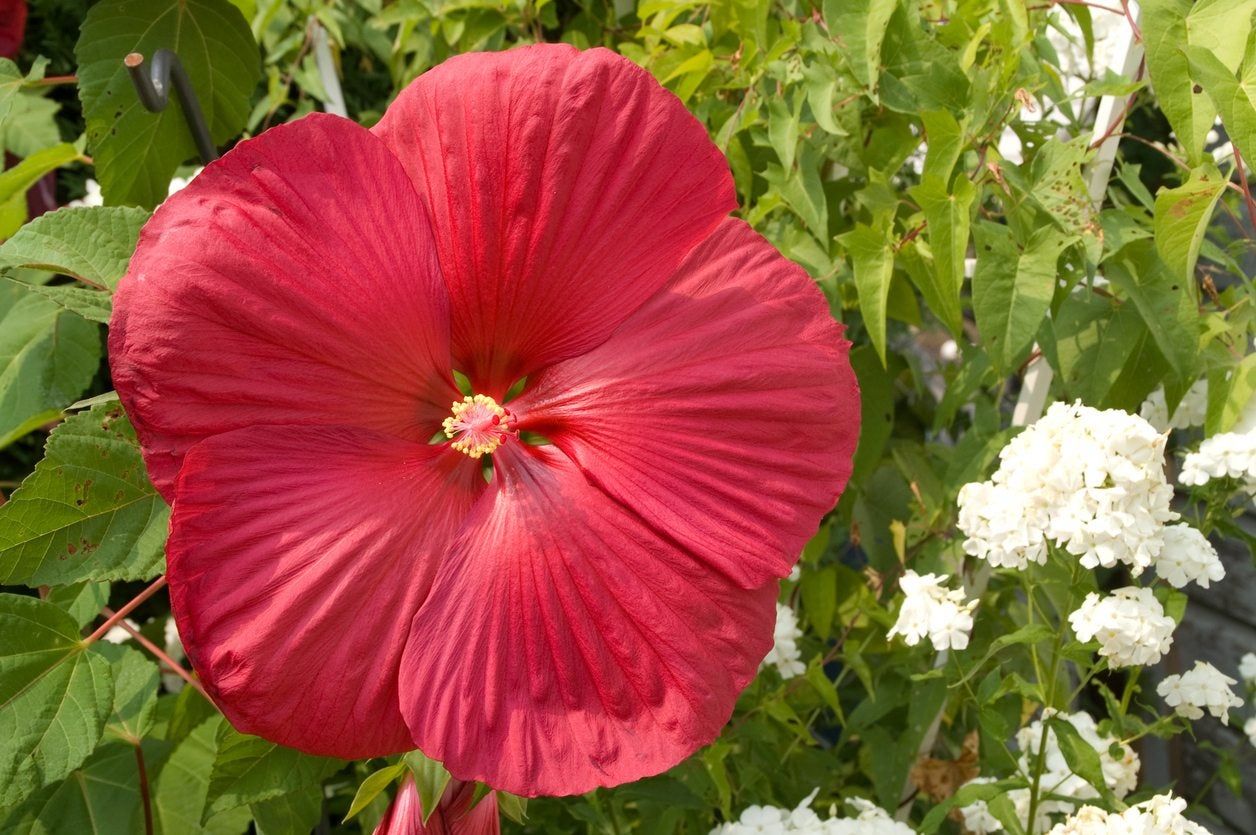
point(153, 89)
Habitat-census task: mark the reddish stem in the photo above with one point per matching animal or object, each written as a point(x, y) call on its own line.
point(53, 80)
point(160, 654)
point(144, 795)
point(1246, 186)
point(156, 586)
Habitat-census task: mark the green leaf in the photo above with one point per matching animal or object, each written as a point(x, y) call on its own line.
point(47, 357)
point(88, 512)
point(102, 797)
point(31, 125)
point(859, 26)
point(1083, 760)
point(513, 807)
point(872, 255)
point(1163, 300)
point(1218, 26)
point(1012, 289)
point(372, 786)
point(295, 813)
point(82, 600)
point(135, 684)
point(945, 138)
point(248, 769)
point(17, 180)
point(1235, 98)
point(1182, 217)
point(430, 778)
point(55, 695)
point(92, 305)
point(965, 796)
point(819, 599)
point(93, 244)
point(182, 787)
point(948, 217)
point(1229, 390)
point(10, 82)
point(136, 152)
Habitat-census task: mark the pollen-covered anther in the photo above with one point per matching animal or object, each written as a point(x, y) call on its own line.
point(478, 425)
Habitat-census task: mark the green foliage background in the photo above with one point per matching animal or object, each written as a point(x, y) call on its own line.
point(824, 111)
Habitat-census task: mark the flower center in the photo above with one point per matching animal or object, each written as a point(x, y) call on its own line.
point(478, 425)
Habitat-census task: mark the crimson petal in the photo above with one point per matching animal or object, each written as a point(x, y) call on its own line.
point(564, 188)
point(293, 281)
point(565, 645)
point(297, 558)
point(724, 412)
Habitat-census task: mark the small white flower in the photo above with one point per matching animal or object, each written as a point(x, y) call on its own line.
point(1187, 556)
point(1119, 773)
point(771, 820)
point(118, 634)
point(1249, 728)
point(1130, 625)
point(1191, 411)
point(930, 609)
point(91, 197)
point(1247, 669)
point(1161, 815)
point(977, 817)
point(785, 655)
point(1202, 688)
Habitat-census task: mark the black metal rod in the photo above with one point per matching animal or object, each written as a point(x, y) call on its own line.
point(153, 89)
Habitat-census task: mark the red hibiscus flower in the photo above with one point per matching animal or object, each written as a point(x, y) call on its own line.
point(454, 814)
point(12, 27)
point(350, 574)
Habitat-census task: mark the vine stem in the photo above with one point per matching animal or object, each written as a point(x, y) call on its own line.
point(156, 586)
point(160, 654)
point(144, 792)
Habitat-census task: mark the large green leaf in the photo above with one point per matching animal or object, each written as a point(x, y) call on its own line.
point(1219, 26)
point(93, 244)
point(100, 798)
point(55, 695)
point(859, 26)
point(948, 214)
point(47, 357)
point(872, 255)
point(1234, 97)
point(1163, 300)
point(180, 792)
point(1012, 289)
point(135, 684)
point(88, 512)
point(1182, 216)
point(248, 769)
point(295, 813)
point(137, 152)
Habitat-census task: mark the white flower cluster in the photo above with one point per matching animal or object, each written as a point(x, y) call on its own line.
point(1226, 455)
point(1191, 411)
point(930, 609)
point(1186, 556)
point(1090, 481)
point(1162, 815)
point(1202, 688)
point(1120, 775)
point(785, 655)
point(1130, 625)
point(1249, 728)
point(770, 820)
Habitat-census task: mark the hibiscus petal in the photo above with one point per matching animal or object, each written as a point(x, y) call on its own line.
point(293, 281)
point(565, 645)
point(724, 412)
point(564, 188)
point(297, 558)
